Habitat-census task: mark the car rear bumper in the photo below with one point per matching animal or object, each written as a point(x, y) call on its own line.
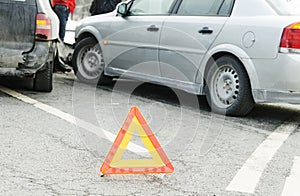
point(281, 74)
point(13, 72)
point(278, 79)
point(31, 62)
point(266, 96)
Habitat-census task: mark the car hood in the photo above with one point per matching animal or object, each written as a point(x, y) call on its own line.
point(96, 19)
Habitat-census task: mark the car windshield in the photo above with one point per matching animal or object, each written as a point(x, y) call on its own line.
point(286, 7)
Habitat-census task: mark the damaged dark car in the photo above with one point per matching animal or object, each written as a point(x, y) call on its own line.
point(28, 35)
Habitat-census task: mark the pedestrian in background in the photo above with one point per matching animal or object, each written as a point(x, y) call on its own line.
point(62, 8)
point(103, 6)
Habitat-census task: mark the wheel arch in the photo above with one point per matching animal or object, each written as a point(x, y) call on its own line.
point(88, 31)
point(85, 35)
point(236, 53)
point(82, 69)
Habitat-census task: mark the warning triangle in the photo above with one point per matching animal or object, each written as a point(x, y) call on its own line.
point(114, 164)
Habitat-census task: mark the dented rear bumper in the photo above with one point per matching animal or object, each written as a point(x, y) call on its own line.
point(27, 64)
point(12, 72)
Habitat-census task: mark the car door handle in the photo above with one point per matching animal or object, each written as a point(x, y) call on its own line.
point(206, 30)
point(152, 28)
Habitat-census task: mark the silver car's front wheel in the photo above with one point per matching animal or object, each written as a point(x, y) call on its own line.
point(228, 88)
point(88, 62)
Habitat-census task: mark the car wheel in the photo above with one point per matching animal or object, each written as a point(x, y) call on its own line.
point(43, 79)
point(88, 63)
point(228, 88)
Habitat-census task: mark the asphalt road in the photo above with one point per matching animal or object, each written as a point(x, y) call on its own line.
point(54, 143)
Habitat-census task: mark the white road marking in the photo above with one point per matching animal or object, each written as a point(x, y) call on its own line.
point(292, 183)
point(249, 175)
point(73, 120)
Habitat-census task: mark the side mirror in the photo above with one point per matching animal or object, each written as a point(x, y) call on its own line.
point(122, 9)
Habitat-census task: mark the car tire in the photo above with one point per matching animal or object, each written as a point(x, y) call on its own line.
point(228, 88)
point(88, 63)
point(43, 81)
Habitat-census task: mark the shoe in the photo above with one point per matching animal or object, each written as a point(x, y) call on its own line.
point(61, 67)
point(67, 60)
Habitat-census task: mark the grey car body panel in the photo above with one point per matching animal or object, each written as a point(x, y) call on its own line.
point(17, 23)
point(190, 87)
point(20, 54)
point(180, 60)
point(251, 35)
point(132, 47)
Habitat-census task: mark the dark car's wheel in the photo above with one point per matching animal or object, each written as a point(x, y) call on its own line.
point(88, 63)
point(228, 88)
point(43, 79)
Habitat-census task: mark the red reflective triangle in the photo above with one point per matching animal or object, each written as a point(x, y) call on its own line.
point(161, 163)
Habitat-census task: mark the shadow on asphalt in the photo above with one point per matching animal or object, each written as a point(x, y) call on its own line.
point(158, 93)
point(261, 114)
point(17, 83)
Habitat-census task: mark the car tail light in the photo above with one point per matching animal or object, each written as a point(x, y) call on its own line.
point(43, 27)
point(290, 40)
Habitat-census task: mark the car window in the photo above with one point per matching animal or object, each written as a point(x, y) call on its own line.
point(150, 7)
point(226, 8)
point(204, 7)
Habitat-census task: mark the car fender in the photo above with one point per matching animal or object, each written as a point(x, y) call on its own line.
point(89, 30)
point(86, 31)
point(235, 51)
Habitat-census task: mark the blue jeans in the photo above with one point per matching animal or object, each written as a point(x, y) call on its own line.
point(62, 12)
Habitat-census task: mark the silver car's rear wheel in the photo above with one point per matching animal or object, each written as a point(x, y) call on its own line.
point(228, 88)
point(225, 86)
point(88, 62)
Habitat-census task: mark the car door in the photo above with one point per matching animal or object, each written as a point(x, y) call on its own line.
point(133, 39)
point(188, 34)
point(17, 32)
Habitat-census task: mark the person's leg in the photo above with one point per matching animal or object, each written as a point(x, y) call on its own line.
point(63, 18)
point(59, 65)
point(63, 15)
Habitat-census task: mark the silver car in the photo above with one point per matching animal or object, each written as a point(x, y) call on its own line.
point(236, 52)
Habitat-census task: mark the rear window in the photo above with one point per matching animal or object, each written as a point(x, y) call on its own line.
point(286, 7)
